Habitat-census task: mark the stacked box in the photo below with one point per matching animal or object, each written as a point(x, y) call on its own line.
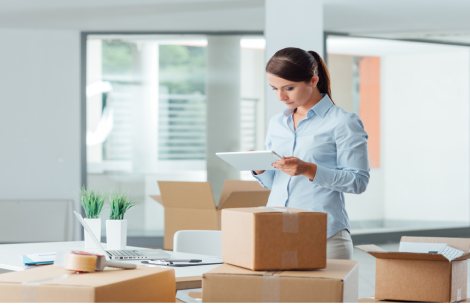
point(55, 284)
point(274, 238)
point(278, 255)
point(228, 283)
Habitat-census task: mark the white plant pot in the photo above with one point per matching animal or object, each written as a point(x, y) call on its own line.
point(116, 234)
point(95, 225)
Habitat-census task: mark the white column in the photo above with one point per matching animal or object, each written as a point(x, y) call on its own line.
point(94, 106)
point(291, 23)
point(149, 215)
point(146, 111)
point(223, 107)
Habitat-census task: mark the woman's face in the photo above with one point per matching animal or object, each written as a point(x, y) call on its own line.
point(293, 94)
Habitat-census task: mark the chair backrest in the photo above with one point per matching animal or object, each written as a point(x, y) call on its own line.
point(206, 242)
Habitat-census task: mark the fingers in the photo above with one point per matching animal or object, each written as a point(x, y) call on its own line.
point(289, 160)
point(286, 163)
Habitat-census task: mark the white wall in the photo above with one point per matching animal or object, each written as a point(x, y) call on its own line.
point(39, 116)
point(426, 135)
point(370, 204)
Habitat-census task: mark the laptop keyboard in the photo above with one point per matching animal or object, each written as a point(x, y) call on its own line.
point(122, 252)
point(126, 254)
point(136, 254)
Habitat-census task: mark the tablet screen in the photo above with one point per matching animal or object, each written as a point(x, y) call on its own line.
point(250, 160)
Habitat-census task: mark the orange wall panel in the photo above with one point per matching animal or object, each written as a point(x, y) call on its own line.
point(369, 105)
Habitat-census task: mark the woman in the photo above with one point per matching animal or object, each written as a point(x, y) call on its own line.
point(324, 147)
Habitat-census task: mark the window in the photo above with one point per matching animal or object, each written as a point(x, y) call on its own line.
point(146, 113)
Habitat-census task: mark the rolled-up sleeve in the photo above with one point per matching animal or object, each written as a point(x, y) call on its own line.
point(352, 172)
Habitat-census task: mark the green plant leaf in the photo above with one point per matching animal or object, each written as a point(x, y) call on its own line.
point(120, 204)
point(92, 202)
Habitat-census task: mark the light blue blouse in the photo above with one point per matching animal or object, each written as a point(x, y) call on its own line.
point(336, 142)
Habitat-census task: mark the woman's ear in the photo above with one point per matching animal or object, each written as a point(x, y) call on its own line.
point(314, 81)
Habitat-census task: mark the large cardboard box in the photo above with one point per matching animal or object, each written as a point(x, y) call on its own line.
point(421, 277)
point(55, 284)
point(228, 283)
point(190, 205)
point(274, 238)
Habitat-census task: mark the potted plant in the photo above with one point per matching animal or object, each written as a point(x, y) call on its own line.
point(92, 203)
point(116, 225)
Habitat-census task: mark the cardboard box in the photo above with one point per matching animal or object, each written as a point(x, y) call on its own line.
point(422, 277)
point(190, 205)
point(55, 284)
point(228, 283)
point(274, 238)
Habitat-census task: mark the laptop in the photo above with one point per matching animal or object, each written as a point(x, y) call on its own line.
point(153, 254)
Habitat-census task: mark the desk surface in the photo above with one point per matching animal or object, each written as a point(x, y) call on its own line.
point(11, 259)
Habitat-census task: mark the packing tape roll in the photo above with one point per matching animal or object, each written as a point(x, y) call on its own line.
point(80, 261)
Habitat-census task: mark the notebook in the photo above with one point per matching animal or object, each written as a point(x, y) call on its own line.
point(122, 254)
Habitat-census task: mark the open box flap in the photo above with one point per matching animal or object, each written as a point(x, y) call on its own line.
point(370, 248)
point(410, 256)
point(177, 194)
point(242, 199)
point(231, 186)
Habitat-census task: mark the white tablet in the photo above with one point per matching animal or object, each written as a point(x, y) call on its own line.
point(250, 160)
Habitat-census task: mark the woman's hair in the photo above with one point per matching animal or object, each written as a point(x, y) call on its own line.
point(298, 65)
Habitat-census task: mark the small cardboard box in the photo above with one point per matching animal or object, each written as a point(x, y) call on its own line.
point(274, 238)
point(421, 277)
point(55, 284)
point(190, 205)
point(228, 283)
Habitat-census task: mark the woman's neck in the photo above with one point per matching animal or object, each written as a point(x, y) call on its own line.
point(302, 110)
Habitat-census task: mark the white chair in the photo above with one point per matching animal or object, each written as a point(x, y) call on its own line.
point(206, 242)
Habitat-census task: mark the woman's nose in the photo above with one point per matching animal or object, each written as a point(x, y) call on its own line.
point(282, 96)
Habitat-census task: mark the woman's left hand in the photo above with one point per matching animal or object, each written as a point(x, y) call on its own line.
point(294, 167)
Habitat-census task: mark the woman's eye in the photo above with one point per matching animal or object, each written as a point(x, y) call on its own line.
point(290, 88)
point(272, 88)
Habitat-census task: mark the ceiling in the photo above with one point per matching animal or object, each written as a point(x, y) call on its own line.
point(446, 20)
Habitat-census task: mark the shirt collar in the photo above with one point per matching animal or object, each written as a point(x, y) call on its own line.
point(320, 108)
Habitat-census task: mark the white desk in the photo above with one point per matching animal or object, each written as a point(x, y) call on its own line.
point(11, 259)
